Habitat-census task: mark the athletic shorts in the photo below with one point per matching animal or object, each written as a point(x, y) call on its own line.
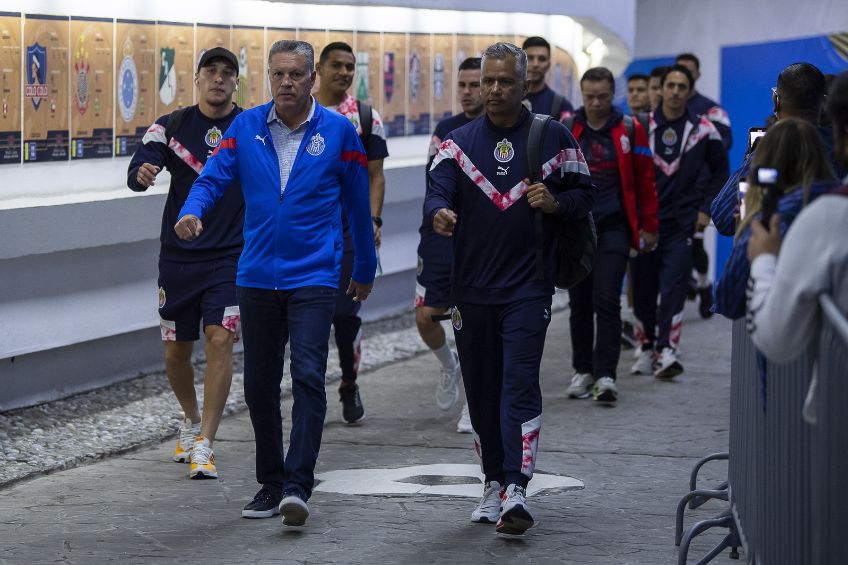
point(432, 280)
point(191, 292)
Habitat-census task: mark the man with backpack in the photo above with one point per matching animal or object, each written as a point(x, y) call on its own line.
point(503, 227)
point(197, 279)
point(335, 68)
point(541, 97)
point(625, 212)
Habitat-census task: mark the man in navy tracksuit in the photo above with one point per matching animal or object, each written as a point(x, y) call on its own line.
point(435, 255)
point(541, 97)
point(297, 163)
point(682, 145)
point(197, 279)
point(479, 195)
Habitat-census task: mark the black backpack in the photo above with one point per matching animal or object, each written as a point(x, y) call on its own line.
point(575, 241)
point(366, 120)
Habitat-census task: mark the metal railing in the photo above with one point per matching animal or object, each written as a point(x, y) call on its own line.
point(786, 476)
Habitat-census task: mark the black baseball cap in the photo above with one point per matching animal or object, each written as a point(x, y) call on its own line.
point(218, 53)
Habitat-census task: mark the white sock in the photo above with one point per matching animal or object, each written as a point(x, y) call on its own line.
point(446, 357)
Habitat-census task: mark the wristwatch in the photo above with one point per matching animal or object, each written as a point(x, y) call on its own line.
point(378, 220)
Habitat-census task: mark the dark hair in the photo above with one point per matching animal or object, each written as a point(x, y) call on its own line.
point(678, 69)
point(688, 57)
point(657, 72)
point(597, 74)
point(471, 63)
point(638, 76)
point(795, 148)
point(837, 110)
point(334, 46)
point(536, 41)
point(801, 86)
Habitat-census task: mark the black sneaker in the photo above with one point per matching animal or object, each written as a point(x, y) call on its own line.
point(704, 307)
point(265, 504)
point(352, 409)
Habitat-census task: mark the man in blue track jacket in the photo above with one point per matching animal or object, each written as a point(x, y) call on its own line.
point(480, 194)
point(297, 163)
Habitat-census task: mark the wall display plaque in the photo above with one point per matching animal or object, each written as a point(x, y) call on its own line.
point(176, 66)
point(10, 90)
point(464, 48)
point(368, 79)
point(274, 34)
point(444, 77)
point(208, 36)
point(394, 84)
point(419, 87)
point(248, 44)
point(136, 84)
point(562, 73)
point(45, 78)
point(91, 88)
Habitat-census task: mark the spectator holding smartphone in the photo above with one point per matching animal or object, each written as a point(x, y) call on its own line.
point(793, 148)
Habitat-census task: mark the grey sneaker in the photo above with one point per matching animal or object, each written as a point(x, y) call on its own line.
point(447, 392)
point(294, 509)
point(489, 509)
point(581, 384)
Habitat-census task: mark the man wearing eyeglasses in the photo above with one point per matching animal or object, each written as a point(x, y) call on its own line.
point(298, 163)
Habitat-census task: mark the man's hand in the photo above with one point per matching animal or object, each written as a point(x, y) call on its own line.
point(539, 196)
point(702, 222)
point(651, 239)
point(444, 221)
point(377, 239)
point(146, 175)
point(763, 241)
point(359, 291)
point(189, 227)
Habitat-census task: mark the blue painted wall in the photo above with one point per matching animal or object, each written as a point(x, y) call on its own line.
point(748, 72)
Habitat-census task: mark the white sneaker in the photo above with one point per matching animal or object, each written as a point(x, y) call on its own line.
point(464, 424)
point(644, 364)
point(668, 365)
point(447, 393)
point(489, 509)
point(581, 384)
point(202, 460)
point(188, 431)
point(294, 509)
point(515, 516)
point(605, 390)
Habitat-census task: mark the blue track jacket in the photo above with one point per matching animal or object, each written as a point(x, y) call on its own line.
point(293, 239)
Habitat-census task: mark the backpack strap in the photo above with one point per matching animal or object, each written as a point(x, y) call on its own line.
point(535, 140)
point(175, 119)
point(644, 119)
point(630, 129)
point(557, 103)
point(366, 120)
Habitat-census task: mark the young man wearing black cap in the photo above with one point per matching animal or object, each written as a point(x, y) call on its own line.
point(196, 278)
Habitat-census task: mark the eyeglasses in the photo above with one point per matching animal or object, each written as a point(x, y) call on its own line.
point(774, 91)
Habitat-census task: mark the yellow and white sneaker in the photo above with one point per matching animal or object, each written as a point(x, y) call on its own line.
point(185, 441)
point(202, 460)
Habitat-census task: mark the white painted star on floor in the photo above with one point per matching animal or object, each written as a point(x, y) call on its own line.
point(446, 479)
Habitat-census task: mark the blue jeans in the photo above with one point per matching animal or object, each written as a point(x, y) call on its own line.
point(599, 295)
point(270, 319)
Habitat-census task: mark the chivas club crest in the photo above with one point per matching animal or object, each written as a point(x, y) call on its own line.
point(316, 145)
point(36, 88)
point(669, 137)
point(456, 319)
point(388, 75)
point(504, 151)
point(213, 137)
